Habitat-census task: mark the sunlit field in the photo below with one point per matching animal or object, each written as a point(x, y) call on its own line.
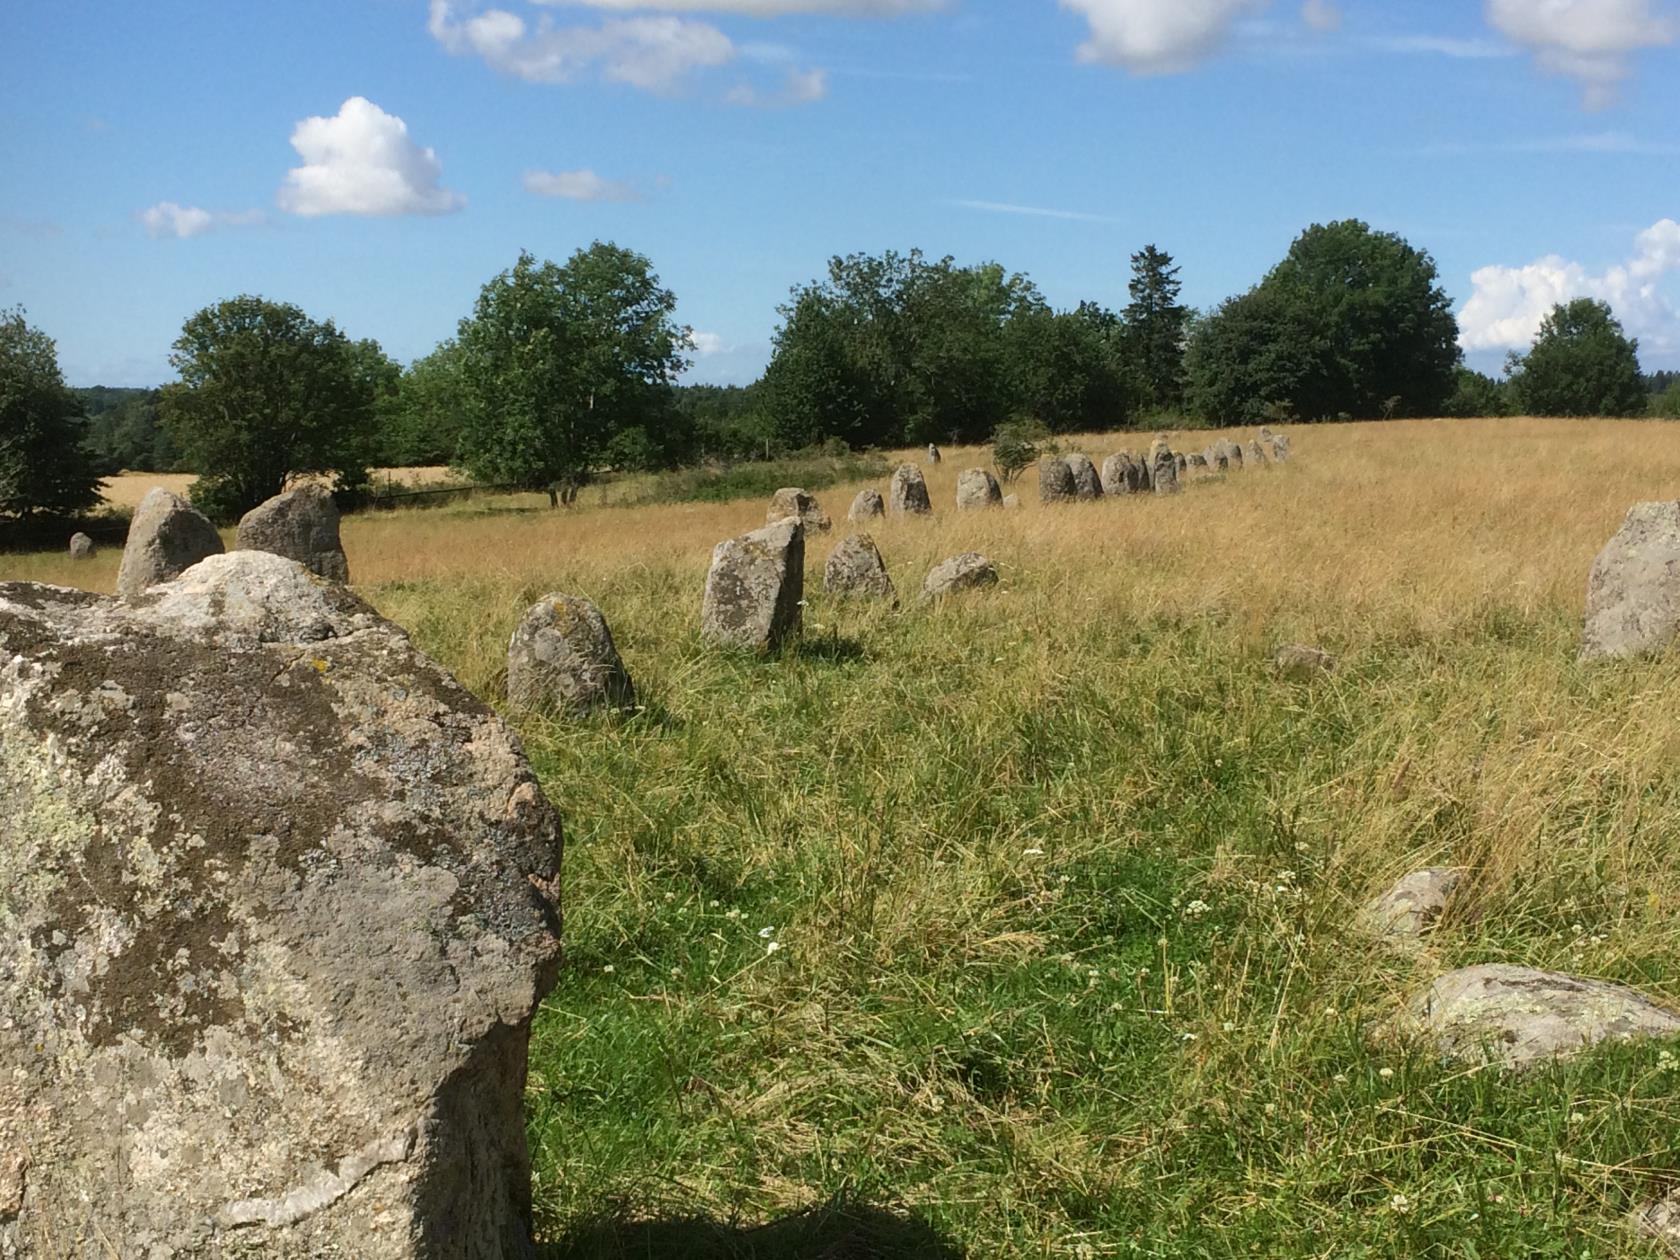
point(1020, 926)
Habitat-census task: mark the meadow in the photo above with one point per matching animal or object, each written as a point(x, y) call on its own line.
point(1021, 926)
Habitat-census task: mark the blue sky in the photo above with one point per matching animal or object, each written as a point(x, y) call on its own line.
point(375, 161)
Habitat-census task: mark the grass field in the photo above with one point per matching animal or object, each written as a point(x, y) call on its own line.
point(1020, 926)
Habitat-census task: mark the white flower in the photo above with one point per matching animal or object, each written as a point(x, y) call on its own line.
point(1229, 1025)
point(1196, 909)
point(607, 970)
point(1340, 1078)
point(765, 934)
point(772, 947)
point(1032, 852)
point(1401, 1204)
point(1386, 1073)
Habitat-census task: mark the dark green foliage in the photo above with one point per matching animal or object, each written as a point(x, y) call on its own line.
point(1661, 382)
point(124, 431)
point(1666, 405)
point(45, 467)
point(726, 421)
point(1581, 364)
point(1156, 323)
point(267, 394)
point(558, 361)
point(1066, 368)
point(1352, 321)
point(421, 423)
point(1476, 394)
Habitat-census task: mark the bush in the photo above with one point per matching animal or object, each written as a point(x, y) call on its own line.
point(1015, 446)
point(1476, 394)
point(1667, 404)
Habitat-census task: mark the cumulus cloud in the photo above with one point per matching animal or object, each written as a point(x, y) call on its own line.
point(362, 161)
point(770, 8)
point(584, 185)
point(802, 87)
point(166, 219)
point(1590, 41)
point(1321, 15)
point(1508, 303)
point(1157, 36)
point(708, 345)
point(652, 53)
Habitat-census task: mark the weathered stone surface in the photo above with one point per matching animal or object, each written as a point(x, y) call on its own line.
point(908, 492)
point(301, 525)
point(81, 547)
point(1011, 502)
point(855, 568)
point(1279, 445)
point(1518, 1016)
point(1198, 460)
point(960, 573)
point(1182, 462)
point(1163, 470)
point(562, 659)
point(867, 506)
point(1086, 484)
point(279, 898)
point(755, 592)
point(1254, 456)
point(1119, 473)
point(1412, 906)
point(1633, 594)
point(1233, 454)
point(1660, 1221)
point(977, 488)
point(792, 501)
point(166, 537)
point(1300, 663)
point(933, 454)
point(1216, 458)
point(1055, 480)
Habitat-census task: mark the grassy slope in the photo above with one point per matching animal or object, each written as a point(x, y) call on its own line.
point(1061, 876)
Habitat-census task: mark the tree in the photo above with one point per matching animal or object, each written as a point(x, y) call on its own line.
point(422, 422)
point(1476, 394)
point(266, 395)
point(558, 361)
point(1155, 327)
point(1067, 370)
point(45, 468)
point(124, 431)
point(1666, 405)
point(1581, 364)
point(1352, 322)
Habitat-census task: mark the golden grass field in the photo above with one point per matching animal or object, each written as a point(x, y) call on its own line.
point(976, 827)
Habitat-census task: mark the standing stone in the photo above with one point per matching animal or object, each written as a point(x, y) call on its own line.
point(977, 488)
point(1119, 473)
point(1216, 458)
point(1633, 595)
point(1280, 448)
point(1055, 480)
point(1163, 470)
point(966, 572)
point(81, 547)
point(1300, 662)
point(933, 454)
point(1255, 455)
point(908, 493)
point(166, 537)
point(855, 568)
point(867, 506)
point(281, 901)
point(1086, 484)
point(301, 525)
point(1413, 906)
point(1518, 1016)
point(1198, 460)
point(755, 591)
point(792, 501)
point(562, 659)
point(1233, 453)
point(1182, 462)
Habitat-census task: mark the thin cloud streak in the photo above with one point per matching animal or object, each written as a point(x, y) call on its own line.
point(1004, 207)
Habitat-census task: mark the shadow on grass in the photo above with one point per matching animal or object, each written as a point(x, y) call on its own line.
point(835, 1231)
point(830, 648)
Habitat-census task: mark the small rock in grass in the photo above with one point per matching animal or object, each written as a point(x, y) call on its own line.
point(1414, 905)
point(966, 572)
point(1300, 663)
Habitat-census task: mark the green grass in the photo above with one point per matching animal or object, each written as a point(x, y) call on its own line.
point(758, 479)
point(1060, 903)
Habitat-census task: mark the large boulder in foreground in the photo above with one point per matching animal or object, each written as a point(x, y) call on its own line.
point(166, 538)
point(855, 569)
point(1518, 1016)
point(1633, 594)
point(301, 525)
point(279, 906)
point(755, 591)
point(792, 501)
point(908, 493)
point(562, 659)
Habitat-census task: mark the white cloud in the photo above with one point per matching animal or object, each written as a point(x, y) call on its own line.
point(802, 87)
point(1443, 45)
point(1508, 303)
point(362, 161)
point(1039, 212)
point(652, 53)
point(1588, 40)
point(770, 8)
point(584, 185)
point(166, 219)
point(1157, 36)
point(708, 345)
point(1321, 15)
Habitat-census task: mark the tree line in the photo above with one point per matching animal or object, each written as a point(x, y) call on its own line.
point(564, 370)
